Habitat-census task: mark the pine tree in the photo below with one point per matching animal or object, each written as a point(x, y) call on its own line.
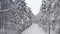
point(49, 14)
point(18, 18)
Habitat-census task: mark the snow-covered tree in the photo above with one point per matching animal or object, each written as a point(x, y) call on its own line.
point(50, 14)
point(15, 15)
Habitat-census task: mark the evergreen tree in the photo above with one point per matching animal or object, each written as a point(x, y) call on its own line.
point(17, 18)
point(50, 14)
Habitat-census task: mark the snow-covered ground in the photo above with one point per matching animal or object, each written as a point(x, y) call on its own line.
point(34, 29)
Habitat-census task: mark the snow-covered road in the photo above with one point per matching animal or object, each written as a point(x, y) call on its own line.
point(34, 29)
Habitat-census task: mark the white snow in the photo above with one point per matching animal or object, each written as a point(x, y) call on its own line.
point(34, 29)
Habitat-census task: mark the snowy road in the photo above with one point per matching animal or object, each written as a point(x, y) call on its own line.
point(34, 29)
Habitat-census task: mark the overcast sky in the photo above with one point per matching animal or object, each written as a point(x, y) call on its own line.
point(34, 5)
